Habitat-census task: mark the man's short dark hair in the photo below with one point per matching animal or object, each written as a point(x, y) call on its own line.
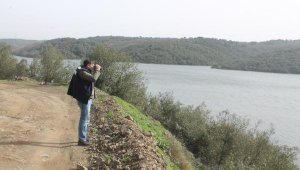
point(86, 62)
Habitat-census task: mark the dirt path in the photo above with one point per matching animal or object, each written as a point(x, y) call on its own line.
point(38, 128)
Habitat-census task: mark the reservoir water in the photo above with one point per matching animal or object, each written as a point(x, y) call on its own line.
point(271, 98)
point(72, 62)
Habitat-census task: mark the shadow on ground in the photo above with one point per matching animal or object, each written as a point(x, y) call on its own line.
point(41, 144)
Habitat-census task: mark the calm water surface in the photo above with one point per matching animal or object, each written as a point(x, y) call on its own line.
point(267, 97)
point(72, 62)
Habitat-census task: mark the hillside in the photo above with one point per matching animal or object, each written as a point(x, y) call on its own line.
point(124, 138)
point(38, 127)
point(185, 51)
point(17, 44)
point(284, 61)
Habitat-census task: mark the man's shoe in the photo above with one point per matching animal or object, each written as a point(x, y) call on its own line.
point(82, 143)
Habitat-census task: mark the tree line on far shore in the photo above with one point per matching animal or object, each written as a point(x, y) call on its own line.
point(280, 56)
point(225, 141)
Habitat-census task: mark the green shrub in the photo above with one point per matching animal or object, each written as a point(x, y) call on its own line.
point(52, 63)
point(119, 76)
point(49, 67)
point(221, 142)
point(7, 62)
point(22, 68)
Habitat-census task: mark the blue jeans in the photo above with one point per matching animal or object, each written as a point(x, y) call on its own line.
point(84, 120)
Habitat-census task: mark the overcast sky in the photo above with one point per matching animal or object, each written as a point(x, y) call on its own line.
point(239, 20)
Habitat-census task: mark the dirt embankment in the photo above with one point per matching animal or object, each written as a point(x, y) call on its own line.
point(38, 128)
point(118, 143)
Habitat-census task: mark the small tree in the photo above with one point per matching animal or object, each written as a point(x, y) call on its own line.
point(52, 64)
point(22, 68)
point(119, 76)
point(35, 67)
point(7, 62)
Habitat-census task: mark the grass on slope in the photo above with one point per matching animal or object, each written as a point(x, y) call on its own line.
point(174, 154)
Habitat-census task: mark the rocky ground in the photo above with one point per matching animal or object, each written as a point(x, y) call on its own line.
point(117, 143)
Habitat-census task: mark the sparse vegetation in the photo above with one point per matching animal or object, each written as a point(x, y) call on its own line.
point(22, 68)
point(222, 142)
point(47, 67)
point(7, 64)
point(148, 144)
point(51, 63)
point(119, 76)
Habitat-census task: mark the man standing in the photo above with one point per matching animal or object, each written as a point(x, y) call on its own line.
point(82, 89)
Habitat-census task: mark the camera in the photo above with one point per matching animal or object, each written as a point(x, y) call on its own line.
point(95, 67)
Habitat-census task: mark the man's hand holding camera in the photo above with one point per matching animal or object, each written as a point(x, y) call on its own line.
point(97, 67)
point(94, 67)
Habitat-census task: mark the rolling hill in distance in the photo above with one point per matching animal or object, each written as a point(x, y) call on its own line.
point(18, 43)
point(280, 56)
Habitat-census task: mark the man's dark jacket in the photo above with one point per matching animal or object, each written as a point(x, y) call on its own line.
point(79, 88)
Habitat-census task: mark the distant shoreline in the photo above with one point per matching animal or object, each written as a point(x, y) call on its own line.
point(77, 61)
